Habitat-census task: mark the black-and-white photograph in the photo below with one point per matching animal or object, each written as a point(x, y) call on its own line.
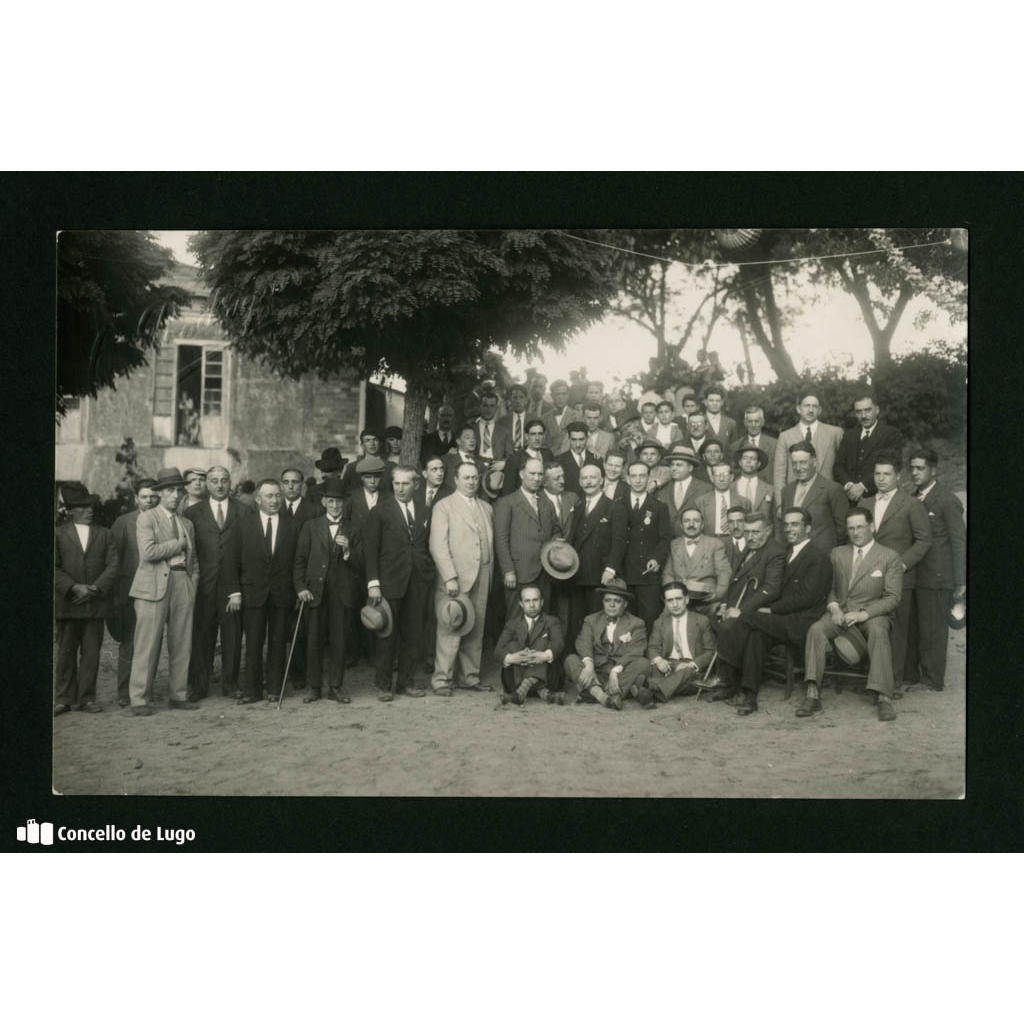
point(511, 513)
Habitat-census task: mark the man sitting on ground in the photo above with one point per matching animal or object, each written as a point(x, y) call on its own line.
point(528, 645)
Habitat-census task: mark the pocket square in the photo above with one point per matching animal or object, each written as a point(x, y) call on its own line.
point(876, 572)
point(604, 519)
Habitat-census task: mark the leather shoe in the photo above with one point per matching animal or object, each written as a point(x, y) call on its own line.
point(142, 709)
point(123, 702)
point(248, 700)
point(644, 697)
point(335, 694)
point(312, 698)
point(442, 691)
point(886, 712)
point(722, 693)
point(413, 691)
point(90, 707)
point(385, 696)
point(615, 701)
point(748, 705)
point(808, 707)
point(60, 709)
point(556, 698)
point(182, 705)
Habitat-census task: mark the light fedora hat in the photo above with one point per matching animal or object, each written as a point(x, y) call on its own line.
point(377, 618)
point(559, 559)
point(456, 615)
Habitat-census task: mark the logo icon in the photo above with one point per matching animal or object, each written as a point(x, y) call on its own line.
point(36, 833)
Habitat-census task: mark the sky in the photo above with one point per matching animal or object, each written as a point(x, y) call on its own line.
point(830, 331)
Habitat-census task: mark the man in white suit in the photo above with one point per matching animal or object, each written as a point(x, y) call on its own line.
point(823, 436)
point(462, 545)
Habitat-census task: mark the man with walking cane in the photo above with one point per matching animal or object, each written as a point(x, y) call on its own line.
point(325, 581)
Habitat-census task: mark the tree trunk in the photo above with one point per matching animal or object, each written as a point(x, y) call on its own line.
point(659, 323)
point(741, 323)
point(758, 290)
point(881, 337)
point(412, 424)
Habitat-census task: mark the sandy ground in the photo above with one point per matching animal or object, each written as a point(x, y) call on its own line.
point(468, 745)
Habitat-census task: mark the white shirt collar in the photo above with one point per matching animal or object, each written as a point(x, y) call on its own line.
point(884, 495)
point(471, 502)
point(867, 547)
point(167, 512)
point(925, 490)
point(797, 548)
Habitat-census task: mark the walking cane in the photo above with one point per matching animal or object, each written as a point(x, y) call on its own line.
point(291, 651)
point(704, 684)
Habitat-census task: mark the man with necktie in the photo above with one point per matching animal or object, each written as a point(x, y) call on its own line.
point(714, 504)
point(576, 457)
point(493, 440)
point(298, 509)
point(855, 460)
point(680, 648)
point(164, 590)
point(529, 651)
point(750, 461)
point(648, 536)
point(682, 488)
point(823, 498)
point(441, 441)
point(753, 436)
point(823, 437)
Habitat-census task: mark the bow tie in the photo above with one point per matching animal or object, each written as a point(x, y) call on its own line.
point(611, 622)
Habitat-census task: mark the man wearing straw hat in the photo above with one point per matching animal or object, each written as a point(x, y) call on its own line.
point(461, 545)
point(682, 488)
point(164, 589)
point(529, 650)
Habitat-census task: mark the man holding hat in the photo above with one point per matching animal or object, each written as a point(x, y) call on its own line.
point(609, 659)
point(699, 561)
point(195, 489)
point(751, 462)
point(399, 572)
point(164, 589)
point(330, 464)
point(680, 648)
point(84, 572)
point(867, 585)
point(461, 545)
point(122, 534)
point(325, 580)
point(529, 649)
point(682, 488)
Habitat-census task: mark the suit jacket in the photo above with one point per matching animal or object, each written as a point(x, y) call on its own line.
point(905, 529)
point(877, 587)
point(354, 513)
point(826, 447)
point(827, 504)
point(699, 637)
point(558, 436)
point(599, 540)
point(727, 431)
point(599, 442)
point(212, 543)
point(766, 567)
point(629, 641)
point(456, 539)
point(733, 552)
point(501, 438)
point(390, 553)
point(621, 491)
point(667, 493)
point(514, 463)
point(452, 463)
point(766, 443)
point(126, 544)
point(676, 435)
point(648, 535)
point(764, 497)
point(351, 481)
point(262, 579)
point(96, 565)
point(547, 635)
point(156, 543)
point(806, 582)
point(507, 425)
point(707, 504)
point(519, 533)
point(854, 462)
point(708, 564)
point(572, 472)
point(571, 504)
point(432, 447)
point(305, 510)
point(317, 557)
point(944, 565)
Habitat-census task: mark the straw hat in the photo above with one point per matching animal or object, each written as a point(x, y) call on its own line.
point(559, 559)
point(377, 618)
point(456, 615)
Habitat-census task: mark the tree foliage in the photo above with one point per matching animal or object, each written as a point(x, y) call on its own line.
point(110, 308)
point(420, 304)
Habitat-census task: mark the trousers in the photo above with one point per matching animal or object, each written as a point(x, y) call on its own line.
point(172, 615)
point(875, 632)
point(78, 660)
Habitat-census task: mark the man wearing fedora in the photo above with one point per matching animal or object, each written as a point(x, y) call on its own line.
point(714, 504)
point(84, 573)
point(393, 445)
point(576, 456)
point(699, 561)
point(650, 451)
point(902, 524)
point(941, 575)
point(122, 533)
point(867, 585)
point(753, 436)
point(609, 659)
point(259, 570)
point(325, 581)
point(751, 462)
point(399, 572)
point(529, 651)
point(330, 464)
point(682, 488)
point(164, 590)
point(523, 522)
point(823, 438)
point(712, 454)
point(822, 497)
point(648, 536)
point(461, 545)
point(680, 648)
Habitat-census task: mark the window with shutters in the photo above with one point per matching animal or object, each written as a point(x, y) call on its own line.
point(189, 400)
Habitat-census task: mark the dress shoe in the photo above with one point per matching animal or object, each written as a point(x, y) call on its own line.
point(385, 696)
point(509, 698)
point(442, 691)
point(556, 698)
point(720, 693)
point(142, 709)
point(248, 700)
point(90, 707)
point(644, 697)
point(336, 695)
point(808, 707)
point(272, 698)
point(615, 701)
point(748, 705)
point(886, 712)
point(182, 705)
point(60, 709)
point(413, 691)
point(478, 686)
point(313, 697)
point(737, 700)
point(123, 702)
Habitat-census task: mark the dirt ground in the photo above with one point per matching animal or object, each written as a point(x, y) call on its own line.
point(468, 745)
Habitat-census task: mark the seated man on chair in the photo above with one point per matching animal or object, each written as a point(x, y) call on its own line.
point(681, 647)
point(609, 659)
point(867, 585)
point(528, 649)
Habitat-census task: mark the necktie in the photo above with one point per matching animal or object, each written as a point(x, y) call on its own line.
point(679, 494)
point(517, 437)
point(220, 516)
point(408, 518)
point(677, 632)
point(858, 558)
point(723, 508)
point(867, 434)
point(807, 436)
point(291, 507)
point(487, 436)
point(558, 506)
point(270, 536)
point(430, 496)
point(444, 440)
point(174, 526)
point(636, 504)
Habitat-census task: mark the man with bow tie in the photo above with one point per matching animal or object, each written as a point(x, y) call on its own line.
point(528, 650)
point(699, 561)
point(326, 581)
point(399, 570)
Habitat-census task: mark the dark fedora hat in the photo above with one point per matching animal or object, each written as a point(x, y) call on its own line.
point(330, 461)
point(958, 614)
point(169, 477)
point(762, 455)
point(77, 496)
point(332, 487)
point(850, 645)
point(649, 442)
point(616, 587)
point(377, 618)
point(559, 559)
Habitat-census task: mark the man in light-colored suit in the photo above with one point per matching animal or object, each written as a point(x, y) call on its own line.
point(901, 524)
point(753, 436)
point(824, 499)
point(698, 561)
point(598, 440)
point(461, 545)
point(164, 589)
point(714, 505)
point(867, 584)
point(823, 436)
